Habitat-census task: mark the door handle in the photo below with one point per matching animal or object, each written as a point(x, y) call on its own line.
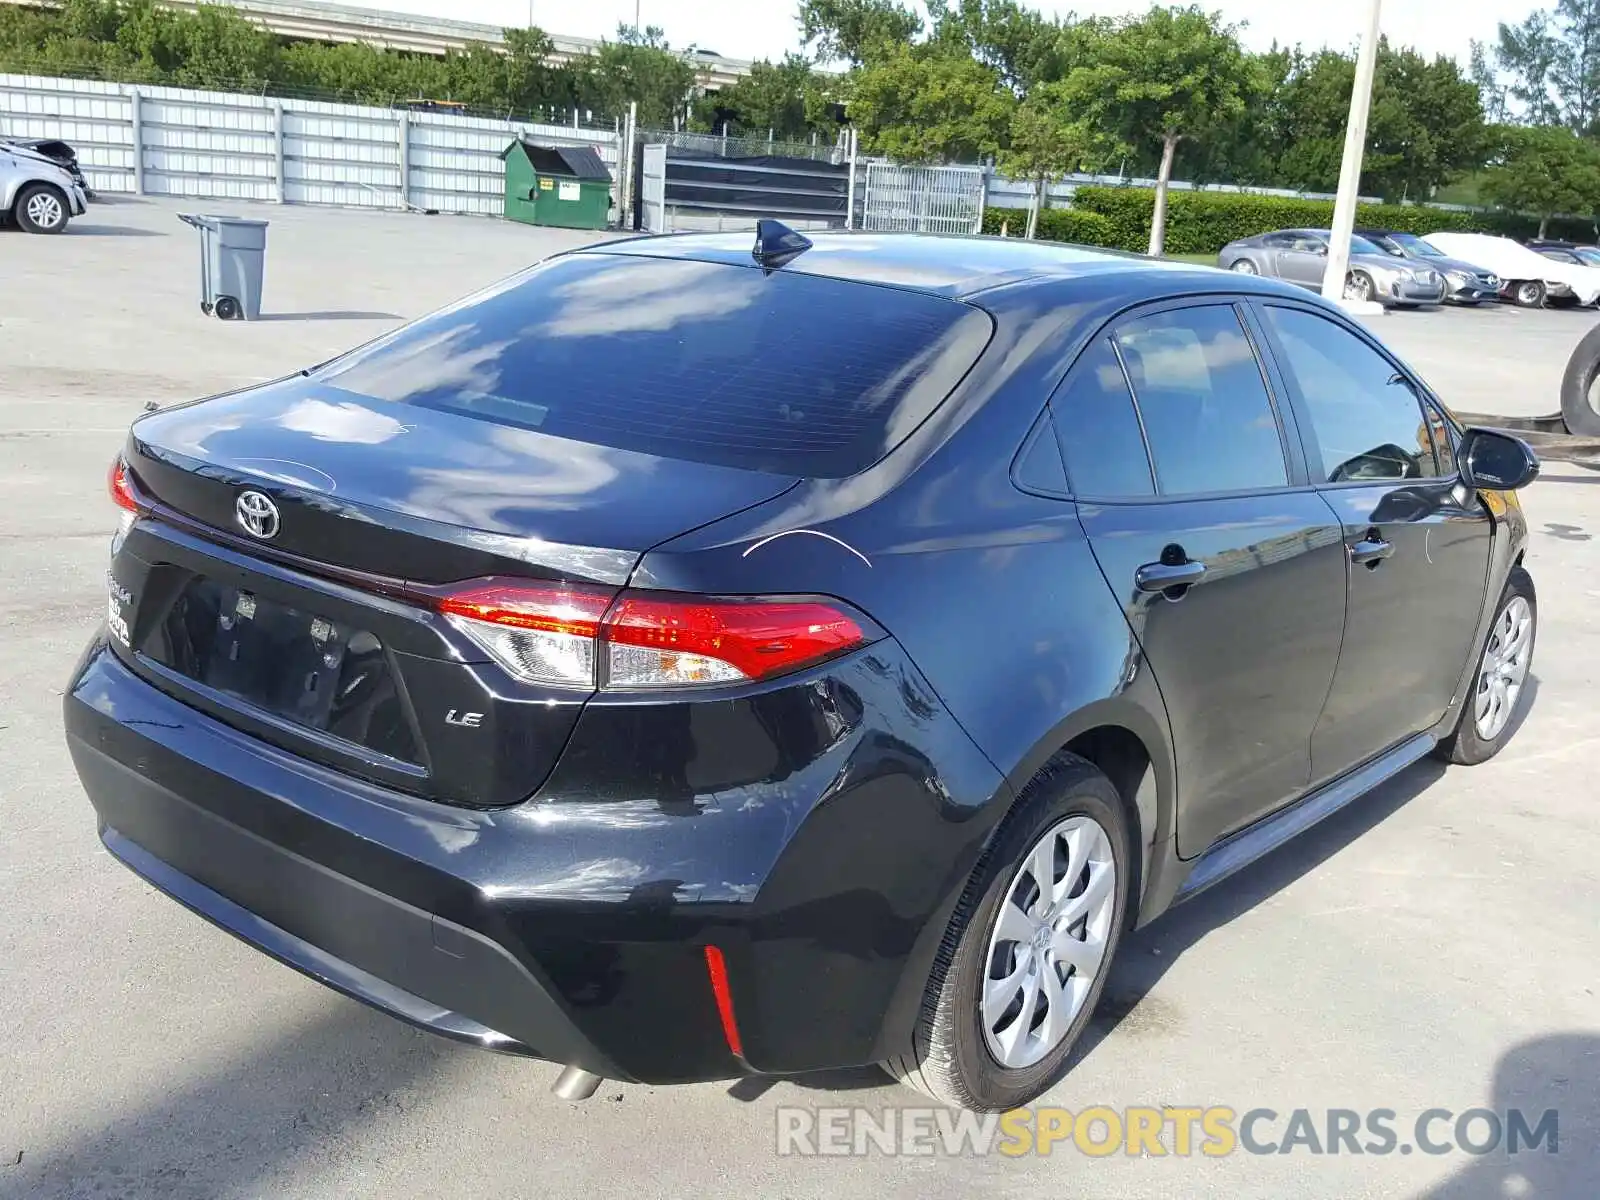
point(1166, 577)
point(1371, 550)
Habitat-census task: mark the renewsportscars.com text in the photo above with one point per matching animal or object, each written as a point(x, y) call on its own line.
point(1213, 1132)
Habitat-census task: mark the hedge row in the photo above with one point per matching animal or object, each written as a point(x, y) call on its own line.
point(1204, 222)
point(1055, 225)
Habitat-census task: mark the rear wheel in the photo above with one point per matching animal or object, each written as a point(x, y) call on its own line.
point(1244, 266)
point(228, 308)
point(41, 208)
point(1488, 717)
point(1530, 293)
point(1025, 958)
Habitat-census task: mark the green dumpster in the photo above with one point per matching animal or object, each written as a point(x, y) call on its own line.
point(566, 186)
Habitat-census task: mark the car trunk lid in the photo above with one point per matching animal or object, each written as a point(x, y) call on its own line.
point(319, 633)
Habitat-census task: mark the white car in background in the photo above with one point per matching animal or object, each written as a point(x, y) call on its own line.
point(1530, 278)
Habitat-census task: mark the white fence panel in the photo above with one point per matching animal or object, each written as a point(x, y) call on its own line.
point(217, 145)
point(97, 118)
point(923, 199)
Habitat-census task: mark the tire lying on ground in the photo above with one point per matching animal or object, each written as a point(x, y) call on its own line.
point(1580, 389)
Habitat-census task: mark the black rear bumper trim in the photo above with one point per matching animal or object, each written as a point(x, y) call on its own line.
point(300, 954)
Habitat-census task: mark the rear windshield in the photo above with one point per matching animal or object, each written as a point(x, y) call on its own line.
point(785, 373)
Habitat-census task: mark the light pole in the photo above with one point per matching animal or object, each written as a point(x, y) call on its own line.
point(1355, 144)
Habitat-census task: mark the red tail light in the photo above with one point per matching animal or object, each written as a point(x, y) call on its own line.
point(592, 637)
point(121, 490)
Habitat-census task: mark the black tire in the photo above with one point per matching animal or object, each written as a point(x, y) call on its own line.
point(949, 1059)
point(1464, 745)
point(1580, 388)
point(228, 309)
point(205, 307)
point(26, 202)
point(1529, 293)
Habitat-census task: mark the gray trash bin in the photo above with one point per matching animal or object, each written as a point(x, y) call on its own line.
point(233, 254)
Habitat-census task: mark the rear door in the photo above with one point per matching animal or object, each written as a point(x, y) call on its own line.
point(1230, 570)
point(1418, 539)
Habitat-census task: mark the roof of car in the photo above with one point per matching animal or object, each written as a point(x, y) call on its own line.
point(951, 266)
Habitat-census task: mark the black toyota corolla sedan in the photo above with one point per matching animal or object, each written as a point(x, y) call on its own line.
point(683, 660)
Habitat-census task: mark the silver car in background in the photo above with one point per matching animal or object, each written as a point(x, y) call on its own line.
point(37, 193)
point(1301, 256)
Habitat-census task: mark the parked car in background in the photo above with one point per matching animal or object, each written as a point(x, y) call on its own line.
point(1526, 276)
point(1567, 252)
point(36, 192)
point(1301, 256)
point(1466, 282)
point(57, 152)
point(645, 704)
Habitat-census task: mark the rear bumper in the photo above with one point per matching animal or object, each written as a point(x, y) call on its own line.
point(572, 927)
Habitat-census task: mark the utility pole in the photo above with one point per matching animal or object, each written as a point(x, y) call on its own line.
point(1355, 145)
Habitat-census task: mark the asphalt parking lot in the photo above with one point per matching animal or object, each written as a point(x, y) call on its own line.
point(1434, 946)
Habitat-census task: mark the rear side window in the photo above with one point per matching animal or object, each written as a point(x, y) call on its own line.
point(1207, 414)
point(1099, 429)
point(785, 373)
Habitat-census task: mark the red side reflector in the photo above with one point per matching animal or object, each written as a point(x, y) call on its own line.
point(121, 490)
point(718, 970)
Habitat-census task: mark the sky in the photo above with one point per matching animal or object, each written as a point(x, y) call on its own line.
point(766, 28)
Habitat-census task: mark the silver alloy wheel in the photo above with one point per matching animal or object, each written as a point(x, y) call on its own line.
point(1244, 266)
point(1528, 294)
point(1505, 668)
point(44, 210)
point(1049, 942)
point(1357, 287)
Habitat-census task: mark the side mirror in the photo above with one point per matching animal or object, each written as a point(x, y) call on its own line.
point(1496, 462)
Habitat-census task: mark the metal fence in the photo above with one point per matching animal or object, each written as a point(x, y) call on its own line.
point(653, 216)
point(685, 189)
point(922, 199)
point(224, 146)
point(745, 147)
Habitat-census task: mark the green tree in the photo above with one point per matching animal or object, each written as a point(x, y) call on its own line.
point(638, 67)
point(1544, 172)
point(852, 31)
point(786, 97)
point(1022, 47)
point(919, 104)
point(1425, 127)
point(1172, 74)
point(1547, 67)
point(1049, 138)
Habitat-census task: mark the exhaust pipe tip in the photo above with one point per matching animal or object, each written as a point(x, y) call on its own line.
point(574, 1083)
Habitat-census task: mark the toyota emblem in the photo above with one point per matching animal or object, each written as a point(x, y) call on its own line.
point(257, 515)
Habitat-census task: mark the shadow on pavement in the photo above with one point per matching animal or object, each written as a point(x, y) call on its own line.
point(230, 1128)
point(1560, 1072)
point(79, 230)
point(1146, 955)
